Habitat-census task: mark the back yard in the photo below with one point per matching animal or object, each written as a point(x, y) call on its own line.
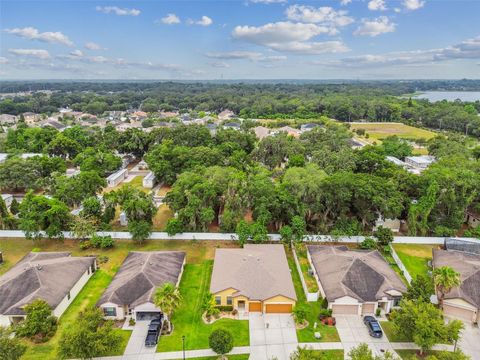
point(415, 257)
point(379, 131)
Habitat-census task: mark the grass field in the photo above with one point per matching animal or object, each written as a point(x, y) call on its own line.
point(198, 252)
point(413, 354)
point(136, 182)
point(328, 333)
point(187, 319)
point(379, 131)
point(391, 334)
point(415, 257)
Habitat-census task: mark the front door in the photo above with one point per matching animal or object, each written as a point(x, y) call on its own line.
point(241, 305)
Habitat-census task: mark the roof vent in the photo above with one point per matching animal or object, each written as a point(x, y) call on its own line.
point(39, 267)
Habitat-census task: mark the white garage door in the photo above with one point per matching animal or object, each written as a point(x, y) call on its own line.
point(458, 313)
point(344, 309)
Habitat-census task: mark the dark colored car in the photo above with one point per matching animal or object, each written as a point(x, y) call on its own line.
point(153, 333)
point(373, 326)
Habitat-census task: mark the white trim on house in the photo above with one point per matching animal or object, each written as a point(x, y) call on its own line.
point(116, 178)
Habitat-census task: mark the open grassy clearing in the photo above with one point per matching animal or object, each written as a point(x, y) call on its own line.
point(310, 280)
point(136, 182)
point(415, 257)
point(187, 319)
point(379, 131)
point(228, 357)
point(329, 333)
point(413, 354)
point(14, 249)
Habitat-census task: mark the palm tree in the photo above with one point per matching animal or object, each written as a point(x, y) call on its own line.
point(167, 298)
point(445, 279)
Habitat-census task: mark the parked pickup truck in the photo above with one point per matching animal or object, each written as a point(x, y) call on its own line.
point(153, 333)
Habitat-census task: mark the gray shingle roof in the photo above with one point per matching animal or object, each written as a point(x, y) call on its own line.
point(47, 276)
point(258, 272)
point(361, 274)
point(466, 245)
point(140, 273)
point(468, 265)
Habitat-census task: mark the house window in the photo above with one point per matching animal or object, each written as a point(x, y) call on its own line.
point(396, 301)
point(68, 295)
point(218, 300)
point(110, 311)
point(229, 300)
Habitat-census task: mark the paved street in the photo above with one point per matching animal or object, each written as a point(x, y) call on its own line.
point(272, 336)
point(136, 344)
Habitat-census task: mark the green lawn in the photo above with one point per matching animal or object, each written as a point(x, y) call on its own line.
point(187, 319)
point(415, 257)
point(310, 280)
point(329, 333)
point(379, 131)
point(391, 334)
point(326, 354)
point(89, 295)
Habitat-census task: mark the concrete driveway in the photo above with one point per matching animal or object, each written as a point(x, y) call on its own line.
point(470, 341)
point(136, 344)
point(272, 336)
point(352, 332)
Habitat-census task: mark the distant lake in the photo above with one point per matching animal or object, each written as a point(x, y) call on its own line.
point(449, 95)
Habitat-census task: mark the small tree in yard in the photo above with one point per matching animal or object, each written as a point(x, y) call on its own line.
point(90, 336)
point(299, 314)
point(167, 298)
point(384, 236)
point(221, 341)
point(445, 279)
point(286, 233)
point(243, 232)
point(10, 347)
point(39, 325)
point(420, 289)
point(362, 352)
point(298, 228)
point(423, 323)
point(209, 306)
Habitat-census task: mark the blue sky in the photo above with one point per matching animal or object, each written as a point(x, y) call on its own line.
point(249, 39)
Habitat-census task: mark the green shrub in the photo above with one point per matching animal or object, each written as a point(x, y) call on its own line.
point(324, 313)
point(368, 243)
point(85, 244)
point(102, 242)
point(221, 341)
point(225, 308)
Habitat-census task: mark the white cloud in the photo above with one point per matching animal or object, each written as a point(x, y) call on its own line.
point(93, 46)
point(468, 49)
point(36, 53)
point(345, 2)
point(268, 1)
point(170, 19)
point(76, 53)
point(377, 5)
point(290, 37)
point(234, 55)
point(3, 60)
point(323, 15)
point(413, 4)
point(220, 64)
point(98, 59)
point(33, 34)
point(273, 58)
point(204, 21)
point(375, 27)
point(118, 11)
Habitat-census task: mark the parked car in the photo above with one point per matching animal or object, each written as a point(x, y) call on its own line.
point(373, 326)
point(153, 333)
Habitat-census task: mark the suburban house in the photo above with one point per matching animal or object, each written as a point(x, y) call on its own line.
point(472, 218)
point(149, 180)
point(356, 282)
point(116, 178)
point(420, 162)
point(6, 119)
point(253, 279)
point(226, 115)
point(462, 244)
point(289, 130)
point(462, 302)
point(232, 125)
point(261, 132)
point(31, 118)
point(55, 277)
point(132, 289)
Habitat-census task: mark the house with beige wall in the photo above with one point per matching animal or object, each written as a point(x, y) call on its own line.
point(462, 302)
point(355, 282)
point(131, 292)
point(253, 279)
point(55, 277)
